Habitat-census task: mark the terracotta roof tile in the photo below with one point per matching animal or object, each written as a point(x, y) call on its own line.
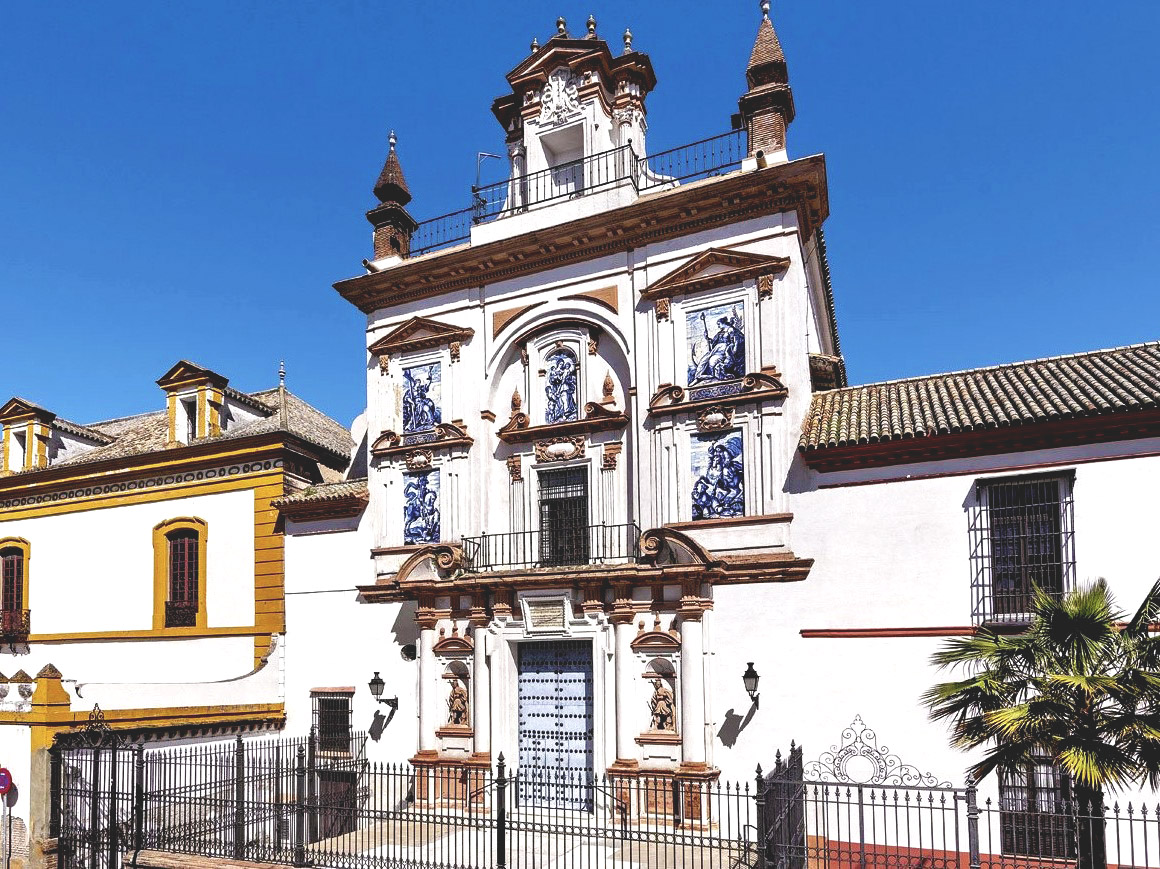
point(1041, 390)
point(325, 492)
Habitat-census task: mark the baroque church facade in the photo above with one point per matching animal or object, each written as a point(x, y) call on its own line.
point(616, 472)
point(612, 508)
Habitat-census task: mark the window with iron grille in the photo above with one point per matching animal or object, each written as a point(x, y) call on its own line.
point(1035, 812)
point(184, 579)
point(332, 719)
point(564, 516)
point(1021, 538)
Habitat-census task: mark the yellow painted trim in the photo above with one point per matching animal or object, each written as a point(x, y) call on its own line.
point(26, 551)
point(41, 434)
point(202, 412)
point(151, 634)
point(171, 411)
point(145, 496)
point(161, 533)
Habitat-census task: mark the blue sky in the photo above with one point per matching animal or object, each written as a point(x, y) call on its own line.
point(188, 180)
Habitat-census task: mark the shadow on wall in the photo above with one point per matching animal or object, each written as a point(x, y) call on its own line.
point(405, 628)
point(733, 725)
point(379, 724)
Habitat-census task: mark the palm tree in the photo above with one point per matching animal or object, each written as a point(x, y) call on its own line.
point(1078, 687)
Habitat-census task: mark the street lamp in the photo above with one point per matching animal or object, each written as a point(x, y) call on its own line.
point(750, 678)
point(377, 685)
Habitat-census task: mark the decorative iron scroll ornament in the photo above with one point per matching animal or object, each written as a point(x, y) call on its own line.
point(861, 760)
point(96, 733)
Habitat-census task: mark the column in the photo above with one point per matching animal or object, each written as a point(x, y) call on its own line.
point(622, 617)
point(481, 699)
point(428, 701)
point(692, 687)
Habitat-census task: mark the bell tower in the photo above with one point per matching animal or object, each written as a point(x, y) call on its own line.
point(573, 99)
point(767, 106)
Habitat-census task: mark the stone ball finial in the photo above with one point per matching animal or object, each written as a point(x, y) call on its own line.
point(535, 46)
point(627, 40)
point(561, 27)
point(764, 8)
point(591, 26)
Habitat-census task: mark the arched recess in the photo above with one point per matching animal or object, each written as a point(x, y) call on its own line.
point(168, 612)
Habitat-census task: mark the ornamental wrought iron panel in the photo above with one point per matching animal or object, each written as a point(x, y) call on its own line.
point(555, 722)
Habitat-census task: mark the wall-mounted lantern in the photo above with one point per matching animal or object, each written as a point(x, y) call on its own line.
point(377, 685)
point(750, 678)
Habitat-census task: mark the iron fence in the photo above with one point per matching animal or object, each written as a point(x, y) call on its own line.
point(556, 545)
point(575, 178)
point(282, 801)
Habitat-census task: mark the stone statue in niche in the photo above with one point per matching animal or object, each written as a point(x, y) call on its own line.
point(560, 389)
point(457, 704)
point(663, 708)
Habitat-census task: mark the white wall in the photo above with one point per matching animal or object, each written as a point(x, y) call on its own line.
point(92, 570)
point(333, 640)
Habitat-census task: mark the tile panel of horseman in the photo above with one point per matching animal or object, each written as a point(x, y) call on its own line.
point(421, 507)
point(422, 394)
point(716, 339)
point(718, 476)
point(560, 387)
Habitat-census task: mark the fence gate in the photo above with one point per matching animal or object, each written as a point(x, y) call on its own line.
point(93, 812)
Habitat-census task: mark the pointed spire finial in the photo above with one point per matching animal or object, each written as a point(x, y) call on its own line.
point(591, 26)
point(535, 46)
point(764, 8)
point(561, 27)
point(393, 139)
point(282, 374)
point(627, 40)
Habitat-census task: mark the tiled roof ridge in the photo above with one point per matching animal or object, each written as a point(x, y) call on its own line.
point(1023, 363)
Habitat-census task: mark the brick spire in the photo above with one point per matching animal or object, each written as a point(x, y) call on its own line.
point(392, 186)
point(393, 225)
point(767, 107)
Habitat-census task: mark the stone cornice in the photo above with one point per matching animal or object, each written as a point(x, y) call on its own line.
point(799, 185)
point(751, 389)
point(597, 418)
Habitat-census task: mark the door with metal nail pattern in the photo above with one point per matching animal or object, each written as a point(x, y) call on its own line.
point(555, 724)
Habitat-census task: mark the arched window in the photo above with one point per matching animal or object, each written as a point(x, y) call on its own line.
point(13, 593)
point(179, 574)
point(561, 387)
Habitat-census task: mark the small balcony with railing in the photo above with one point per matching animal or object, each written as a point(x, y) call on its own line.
point(553, 548)
point(180, 613)
point(620, 174)
point(15, 625)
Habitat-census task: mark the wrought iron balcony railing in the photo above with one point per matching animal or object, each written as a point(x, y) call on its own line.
point(180, 613)
point(15, 624)
point(564, 546)
point(592, 174)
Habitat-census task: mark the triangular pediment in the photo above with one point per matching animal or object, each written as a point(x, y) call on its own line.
point(17, 408)
point(556, 53)
point(186, 373)
point(420, 333)
point(712, 268)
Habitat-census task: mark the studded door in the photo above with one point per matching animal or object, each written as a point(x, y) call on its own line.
point(555, 723)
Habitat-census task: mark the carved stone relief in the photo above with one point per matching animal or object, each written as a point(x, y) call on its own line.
point(559, 449)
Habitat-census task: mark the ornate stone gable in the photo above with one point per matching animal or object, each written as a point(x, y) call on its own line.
point(420, 333)
point(713, 268)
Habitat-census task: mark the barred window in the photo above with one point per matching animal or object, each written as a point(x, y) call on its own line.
point(1035, 812)
point(1021, 538)
point(564, 516)
point(332, 718)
